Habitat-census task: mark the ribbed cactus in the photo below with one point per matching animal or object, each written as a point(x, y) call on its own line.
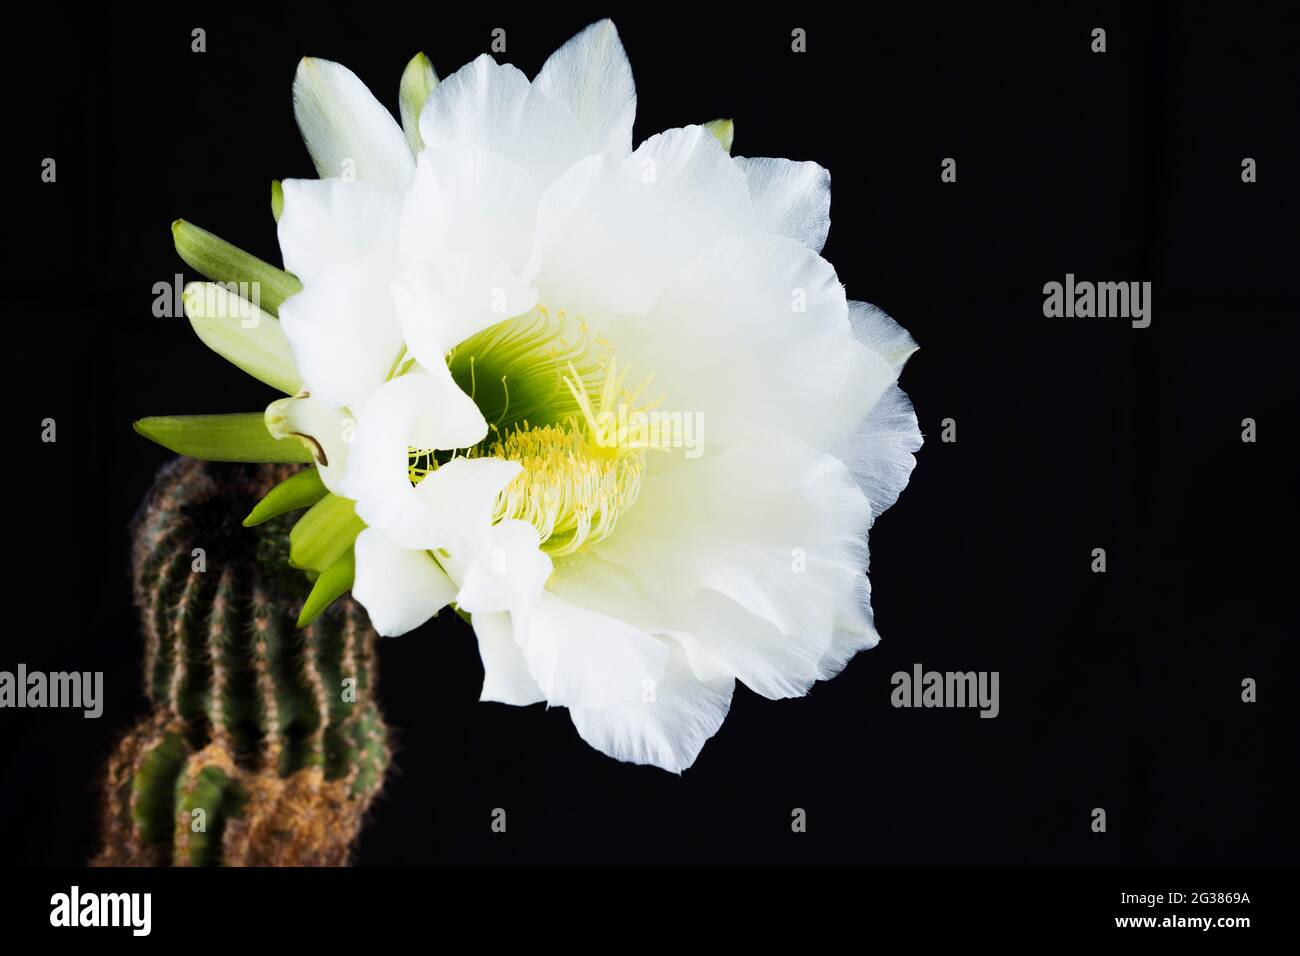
point(265, 745)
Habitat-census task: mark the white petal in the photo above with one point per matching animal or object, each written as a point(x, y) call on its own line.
point(508, 573)
point(869, 378)
point(325, 430)
point(722, 638)
point(418, 410)
point(614, 233)
point(588, 581)
point(428, 409)
point(790, 199)
point(583, 659)
point(347, 131)
point(668, 729)
point(878, 332)
point(590, 75)
point(326, 223)
point(880, 451)
point(400, 588)
point(434, 308)
point(467, 248)
point(799, 371)
point(494, 106)
point(340, 239)
point(505, 672)
point(466, 197)
point(461, 497)
point(776, 526)
point(343, 334)
point(855, 631)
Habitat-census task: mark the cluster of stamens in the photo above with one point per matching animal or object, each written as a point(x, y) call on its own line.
point(580, 472)
point(570, 490)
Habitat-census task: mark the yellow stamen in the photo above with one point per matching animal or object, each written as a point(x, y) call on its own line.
point(583, 468)
point(569, 491)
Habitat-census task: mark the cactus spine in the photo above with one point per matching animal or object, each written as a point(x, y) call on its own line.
point(265, 745)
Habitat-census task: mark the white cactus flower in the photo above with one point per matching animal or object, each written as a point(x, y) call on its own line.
point(610, 404)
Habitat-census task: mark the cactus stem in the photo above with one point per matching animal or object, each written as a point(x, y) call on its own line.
point(251, 756)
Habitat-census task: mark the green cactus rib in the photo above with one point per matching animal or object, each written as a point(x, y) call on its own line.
point(265, 745)
point(158, 767)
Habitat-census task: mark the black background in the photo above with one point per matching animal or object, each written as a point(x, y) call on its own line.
point(1118, 690)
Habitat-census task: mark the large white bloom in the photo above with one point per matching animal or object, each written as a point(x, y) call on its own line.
point(488, 296)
